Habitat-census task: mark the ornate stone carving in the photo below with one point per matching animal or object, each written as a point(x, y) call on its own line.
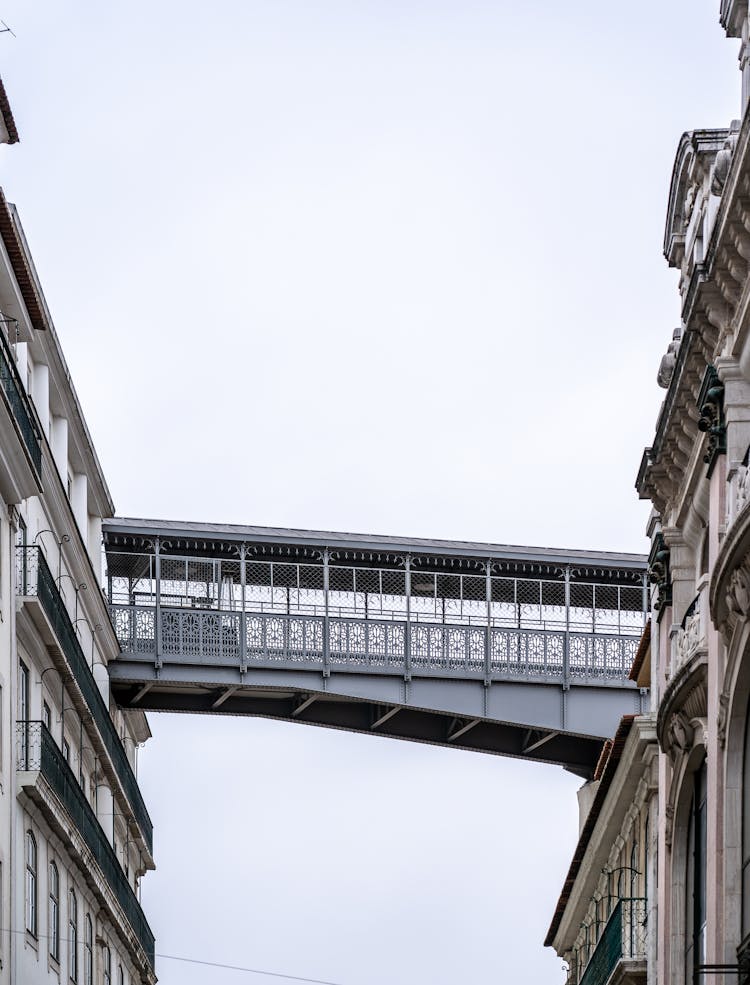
point(669, 360)
point(738, 594)
point(711, 407)
point(723, 161)
point(679, 734)
point(690, 638)
point(743, 487)
point(658, 573)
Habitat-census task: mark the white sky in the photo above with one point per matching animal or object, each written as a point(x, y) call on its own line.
point(391, 267)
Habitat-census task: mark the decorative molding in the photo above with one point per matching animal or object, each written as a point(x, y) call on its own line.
point(712, 421)
point(659, 574)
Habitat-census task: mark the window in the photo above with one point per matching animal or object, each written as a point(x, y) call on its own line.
point(73, 936)
point(695, 882)
point(120, 975)
point(634, 870)
point(66, 751)
point(54, 912)
point(31, 888)
point(107, 965)
point(88, 952)
point(46, 715)
point(23, 692)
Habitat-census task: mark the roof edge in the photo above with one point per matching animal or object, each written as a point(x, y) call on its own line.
point(130, 526)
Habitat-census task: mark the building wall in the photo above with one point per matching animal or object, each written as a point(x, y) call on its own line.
point(53, 504)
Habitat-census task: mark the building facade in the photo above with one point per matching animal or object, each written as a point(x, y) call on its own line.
point(75, 835)
point(680, 780)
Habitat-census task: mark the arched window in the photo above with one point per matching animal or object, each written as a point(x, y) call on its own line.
point(54, 912)
point(695, 881)
point(73, 935)
point(31, 887)
point(107, 965)
point(746, 831)
point(88, 952)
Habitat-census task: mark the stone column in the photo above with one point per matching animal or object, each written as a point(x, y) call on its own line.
point(714, 752)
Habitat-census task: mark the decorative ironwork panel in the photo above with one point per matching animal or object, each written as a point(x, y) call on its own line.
point(520, 653)
point(134, 627)
point(280, 638)
point(375, 645)
point(594, 656)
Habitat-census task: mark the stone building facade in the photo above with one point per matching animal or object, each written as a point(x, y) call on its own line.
point(75, 835)
point(685, 767)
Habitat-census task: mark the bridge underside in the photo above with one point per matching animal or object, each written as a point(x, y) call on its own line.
point(502, 650)
point(419, 712)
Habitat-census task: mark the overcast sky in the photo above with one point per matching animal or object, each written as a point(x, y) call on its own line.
point(366, 265)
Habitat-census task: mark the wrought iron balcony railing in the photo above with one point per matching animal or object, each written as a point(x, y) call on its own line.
point(623, 939)
point(36, 751)
point(35, 579)
point(10, 383)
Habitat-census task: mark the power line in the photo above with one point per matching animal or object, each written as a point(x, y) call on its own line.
point(210, 964)
point(251, 971)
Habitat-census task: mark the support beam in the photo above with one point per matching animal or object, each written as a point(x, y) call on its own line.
point(463, 729)
point(226, 693)
point(539, 742)
point(142, 693)
point(384, 718)
point(305, 703)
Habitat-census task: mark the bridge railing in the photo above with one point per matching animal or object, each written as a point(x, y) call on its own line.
point(411, 616)
point(248, 639)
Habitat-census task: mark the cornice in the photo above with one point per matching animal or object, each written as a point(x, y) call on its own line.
point(714, 305)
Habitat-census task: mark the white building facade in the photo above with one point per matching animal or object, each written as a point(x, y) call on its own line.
point(75, 835)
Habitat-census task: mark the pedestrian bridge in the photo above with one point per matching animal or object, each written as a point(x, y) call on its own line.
point(509, 650)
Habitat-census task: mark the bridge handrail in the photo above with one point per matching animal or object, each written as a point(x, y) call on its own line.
point(371, 645)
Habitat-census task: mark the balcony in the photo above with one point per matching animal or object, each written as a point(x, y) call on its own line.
point(36, 585)
point(20, 444)
point(37, 756)
point(620, 953)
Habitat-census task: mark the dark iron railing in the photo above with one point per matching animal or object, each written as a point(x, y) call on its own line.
point(11, 385)
point(36, 750)
point(623, 939)
point(35, 579)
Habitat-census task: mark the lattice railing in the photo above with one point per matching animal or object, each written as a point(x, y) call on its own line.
point(420, 649)
point(34, 580)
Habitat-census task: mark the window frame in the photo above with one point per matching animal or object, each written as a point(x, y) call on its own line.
point(106, 965)
point(32, 885)
point(72, 935)
point(88, 951)
point(53, 875)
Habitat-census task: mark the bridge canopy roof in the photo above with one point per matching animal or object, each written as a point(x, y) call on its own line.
point(131, 534)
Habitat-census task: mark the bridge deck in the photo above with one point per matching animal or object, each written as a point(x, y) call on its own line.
point(512, 650)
